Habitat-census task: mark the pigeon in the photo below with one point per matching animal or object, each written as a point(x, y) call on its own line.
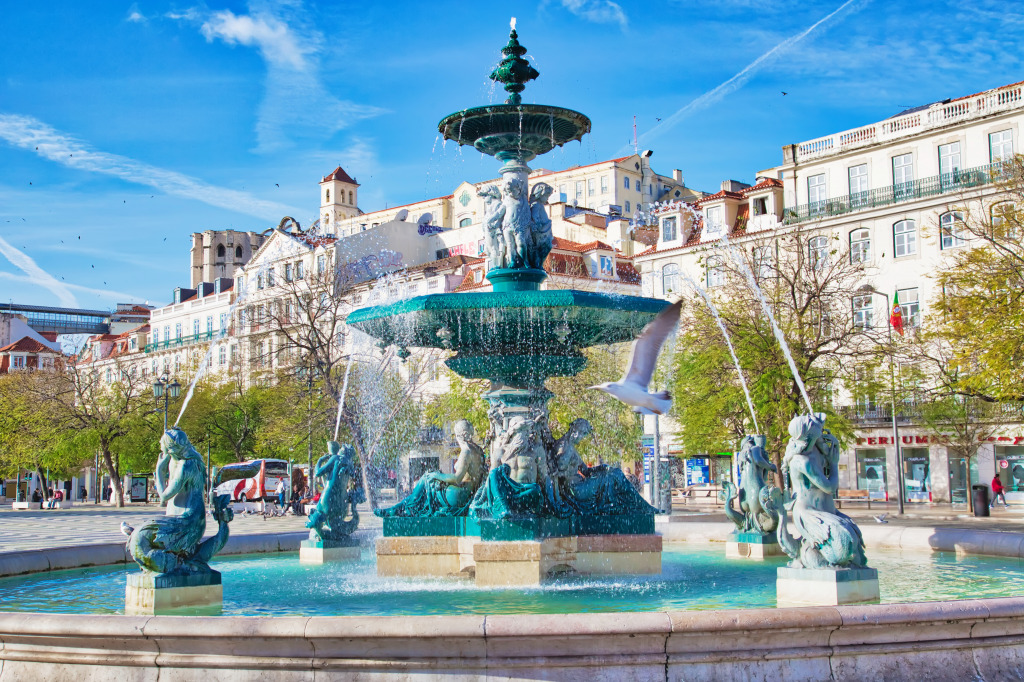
point(881, 519)
point(631, 389)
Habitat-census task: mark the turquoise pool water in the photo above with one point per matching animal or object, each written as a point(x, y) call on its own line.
point(693, 578)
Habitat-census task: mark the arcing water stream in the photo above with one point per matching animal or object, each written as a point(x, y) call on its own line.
point(732, 351)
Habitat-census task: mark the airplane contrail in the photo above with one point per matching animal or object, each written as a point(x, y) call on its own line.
point(737, 81)
point(37, 275)
point(32, 134)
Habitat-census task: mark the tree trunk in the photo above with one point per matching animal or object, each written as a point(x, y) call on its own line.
point(115, 479)
point(44, 484)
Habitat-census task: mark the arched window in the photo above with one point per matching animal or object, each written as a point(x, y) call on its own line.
point(904, 238)
point(817, 252)
point(860, 246)
point(670, 278)
point(716, 272)
point(238, 252)
point(951, 228)
point(350, 200)
point(220, 251)
point(465, 222)
point(327, 196)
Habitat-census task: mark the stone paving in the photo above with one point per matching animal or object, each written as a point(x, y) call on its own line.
point(88, 524)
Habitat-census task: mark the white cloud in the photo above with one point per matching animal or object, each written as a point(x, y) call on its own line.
point(134, 15)
point(29, 133)
point(295, 103)
point(598, 11)
point(740, 79)
point(36, 275)
point(276, 42)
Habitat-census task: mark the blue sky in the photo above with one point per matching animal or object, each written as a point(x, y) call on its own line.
point(125, 127)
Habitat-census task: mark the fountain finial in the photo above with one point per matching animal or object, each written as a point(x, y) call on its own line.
point(513, 71)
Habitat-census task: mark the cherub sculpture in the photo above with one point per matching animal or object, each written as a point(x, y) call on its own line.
point(173, 544)
point(540, 225)
point(516, 225)
point(494, 215)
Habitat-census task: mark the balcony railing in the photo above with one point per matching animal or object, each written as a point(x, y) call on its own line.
point(880, 414)
point(938, 115)
point(957, 180)
point(180, 342)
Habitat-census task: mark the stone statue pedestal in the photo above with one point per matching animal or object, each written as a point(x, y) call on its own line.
point(826, 586)
point(752, 546)
point(326, 551)
point(155, 593)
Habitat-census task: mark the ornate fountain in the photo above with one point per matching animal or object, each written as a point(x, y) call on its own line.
point(539, 510)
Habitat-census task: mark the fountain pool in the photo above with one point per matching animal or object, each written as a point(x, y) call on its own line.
point(693, 578)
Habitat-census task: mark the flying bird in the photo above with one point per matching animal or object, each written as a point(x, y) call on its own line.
point(881, 519)
point(276, 185)
point(631, 389)
point(784, 93)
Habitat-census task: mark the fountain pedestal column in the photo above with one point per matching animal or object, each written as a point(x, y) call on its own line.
point(326, 551)
point(154, 594)
point(826, 586)
point(752, 546)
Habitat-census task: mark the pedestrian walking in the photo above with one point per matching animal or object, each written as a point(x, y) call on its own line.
point(998, 491)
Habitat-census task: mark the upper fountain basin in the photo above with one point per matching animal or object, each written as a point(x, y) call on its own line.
point(527, 130)
point(543, 322)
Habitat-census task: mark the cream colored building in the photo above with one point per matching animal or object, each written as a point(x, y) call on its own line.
point(892, 191)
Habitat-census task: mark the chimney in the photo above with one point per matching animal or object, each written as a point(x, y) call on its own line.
point(733, 185)
point(677, 175)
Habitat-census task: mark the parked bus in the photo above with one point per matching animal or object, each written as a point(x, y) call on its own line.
point(261, 486)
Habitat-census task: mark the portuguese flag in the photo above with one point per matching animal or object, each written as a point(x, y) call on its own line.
point(896, 316)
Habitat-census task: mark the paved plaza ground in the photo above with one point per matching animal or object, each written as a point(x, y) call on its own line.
point(88, 524)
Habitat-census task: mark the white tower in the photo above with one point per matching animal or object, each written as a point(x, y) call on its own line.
point(339, 199)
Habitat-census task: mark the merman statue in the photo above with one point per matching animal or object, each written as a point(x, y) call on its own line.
point(335, 515)
point(437, 494)
point(828, 538)
point(173, 544)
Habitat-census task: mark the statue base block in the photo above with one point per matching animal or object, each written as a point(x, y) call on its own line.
point(826, 586)
point(430, 526)
point(752, 546)
point(154, 593)
point(518, 562)
point(326, 551)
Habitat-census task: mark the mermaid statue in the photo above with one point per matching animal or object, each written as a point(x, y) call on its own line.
point(751, 514)
point(437, 494)
point(170, 544)
point(827, 537)
point(335, 515)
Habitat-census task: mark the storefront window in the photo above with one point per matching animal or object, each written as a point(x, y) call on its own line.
point(1010, 467)
point(917, 474)
point(871, 472)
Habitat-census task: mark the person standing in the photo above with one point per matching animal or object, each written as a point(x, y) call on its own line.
point(280, 490)
point(998, 491)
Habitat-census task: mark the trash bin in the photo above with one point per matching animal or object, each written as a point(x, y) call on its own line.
point(980, 495)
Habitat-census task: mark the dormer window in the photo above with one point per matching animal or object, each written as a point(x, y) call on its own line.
point(669, 229)
point(760, 205)
point(715, 217)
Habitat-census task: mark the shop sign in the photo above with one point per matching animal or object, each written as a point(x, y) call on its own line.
point(925, 440)
point(1003, 464)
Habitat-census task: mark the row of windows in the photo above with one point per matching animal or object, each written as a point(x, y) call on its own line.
point(222, 252)
point(327, 197)
point(950, 157)
point(178, 328)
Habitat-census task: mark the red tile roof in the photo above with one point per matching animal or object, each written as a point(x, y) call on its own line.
point(340, 175)
point(764, 184)
point(568, 245)
point(723, 194)
point(627, 273)
point(566, 264)
point(27, 344)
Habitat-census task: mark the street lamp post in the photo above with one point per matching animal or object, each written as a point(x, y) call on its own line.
point(166, 389)
point(868, 289)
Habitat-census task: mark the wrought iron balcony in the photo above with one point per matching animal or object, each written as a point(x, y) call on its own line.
point(880, 415)
point(202, 337)
point(957, 180)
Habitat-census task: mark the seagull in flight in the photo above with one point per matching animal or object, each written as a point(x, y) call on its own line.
point(631, 389)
